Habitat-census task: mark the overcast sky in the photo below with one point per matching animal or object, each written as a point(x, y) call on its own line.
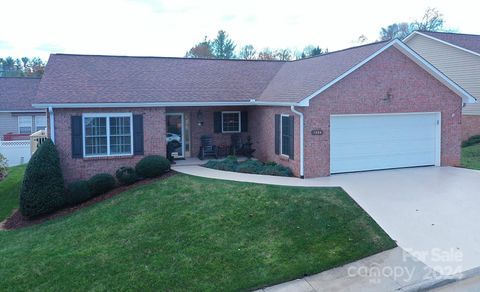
point(170, 28)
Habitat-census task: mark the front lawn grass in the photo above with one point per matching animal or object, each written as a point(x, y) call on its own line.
point(191, 234)
point(471, 157)
point(10, 190)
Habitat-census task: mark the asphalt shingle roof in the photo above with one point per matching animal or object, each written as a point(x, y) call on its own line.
point(113, 79)
point(17, 93)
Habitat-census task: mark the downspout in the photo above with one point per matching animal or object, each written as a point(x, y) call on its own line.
point(52, 124)
point(300, 114)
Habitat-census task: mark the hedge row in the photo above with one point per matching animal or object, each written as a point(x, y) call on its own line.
point(249, 166)
point(43, 189)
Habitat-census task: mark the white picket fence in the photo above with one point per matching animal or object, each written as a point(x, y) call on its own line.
point(16, 152)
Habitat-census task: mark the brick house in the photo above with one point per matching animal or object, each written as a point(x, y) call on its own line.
point(375, 106)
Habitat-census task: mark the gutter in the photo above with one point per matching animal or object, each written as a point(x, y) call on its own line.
point(300, 114)
point(52, 124)
point(251, 102)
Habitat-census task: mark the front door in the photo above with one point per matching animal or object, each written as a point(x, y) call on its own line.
point(175, 134)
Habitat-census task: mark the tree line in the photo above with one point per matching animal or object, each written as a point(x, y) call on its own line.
point(23, 67)
point(223, 47)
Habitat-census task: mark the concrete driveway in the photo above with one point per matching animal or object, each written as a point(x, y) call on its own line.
point(432, 212)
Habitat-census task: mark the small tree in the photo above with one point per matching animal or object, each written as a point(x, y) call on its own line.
point(42, 189)
point(3, 167)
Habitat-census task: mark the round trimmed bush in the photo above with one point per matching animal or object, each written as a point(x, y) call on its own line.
point(126, 175)
point(77, 192)
point(101, 183)
point(43, 188)
point(152, 166)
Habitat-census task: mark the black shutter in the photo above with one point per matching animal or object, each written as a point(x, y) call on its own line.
point(244, 120)
point(217, 122)
point(291, 148)
point(277, 134)
point(137, 134)
point(77, 137)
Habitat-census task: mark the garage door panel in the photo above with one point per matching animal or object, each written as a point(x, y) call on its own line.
point(368, 142)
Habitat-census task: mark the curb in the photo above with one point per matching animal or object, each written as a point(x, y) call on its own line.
point(441, 281)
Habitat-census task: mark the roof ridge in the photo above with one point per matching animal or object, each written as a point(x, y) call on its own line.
point(346, 49)
point(447, 32)
point(163, 57)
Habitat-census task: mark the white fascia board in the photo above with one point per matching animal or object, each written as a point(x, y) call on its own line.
point(21, 111)
point(159, 104)
point(466, 97)
point(440, 41)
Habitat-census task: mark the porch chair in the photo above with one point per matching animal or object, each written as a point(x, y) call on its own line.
point(240, 148)
point(207, 148)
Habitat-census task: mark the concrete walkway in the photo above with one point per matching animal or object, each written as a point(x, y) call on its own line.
point(390, 270)
point(431, 212)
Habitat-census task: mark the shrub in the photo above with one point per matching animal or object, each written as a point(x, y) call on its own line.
point(77, 192)
point(471, 141)
point(152, 166)
point(228, 164)
point(101, 183)
point(276, 169)
point(126, 175)
point(3, 167)
point(250, 166)
point(42, 189)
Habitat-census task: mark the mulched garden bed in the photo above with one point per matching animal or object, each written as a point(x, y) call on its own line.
point(17, 220)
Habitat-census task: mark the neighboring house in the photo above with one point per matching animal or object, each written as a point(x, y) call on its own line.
point(375, 106)
point(18, 119)
point(458, 57)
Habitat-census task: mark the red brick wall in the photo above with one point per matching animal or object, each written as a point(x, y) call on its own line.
point(413, 90)
point(84, 168)
point(263, 121)
point(470, 126)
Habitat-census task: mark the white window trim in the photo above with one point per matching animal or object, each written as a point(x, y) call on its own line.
point(239, 121)
point(281, 135)
point(36, 122)
point(18, 123)
point(107, 116)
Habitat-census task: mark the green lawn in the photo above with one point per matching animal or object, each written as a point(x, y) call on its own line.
point(192, 234)
point(471, 157)
point(10, 189)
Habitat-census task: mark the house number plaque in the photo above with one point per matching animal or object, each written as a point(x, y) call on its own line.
point(317, 132)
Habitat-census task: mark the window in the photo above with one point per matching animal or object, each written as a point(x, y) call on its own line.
point(25, 124)
point(231, 122)
point(107, 134)
point(40, 123)
point(285, 135)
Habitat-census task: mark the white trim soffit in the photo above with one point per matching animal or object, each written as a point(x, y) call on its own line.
point(160, 104)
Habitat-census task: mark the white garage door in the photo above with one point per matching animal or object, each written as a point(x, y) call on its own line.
point(369, 142)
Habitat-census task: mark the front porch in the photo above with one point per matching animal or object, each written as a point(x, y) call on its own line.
point(225, 127)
